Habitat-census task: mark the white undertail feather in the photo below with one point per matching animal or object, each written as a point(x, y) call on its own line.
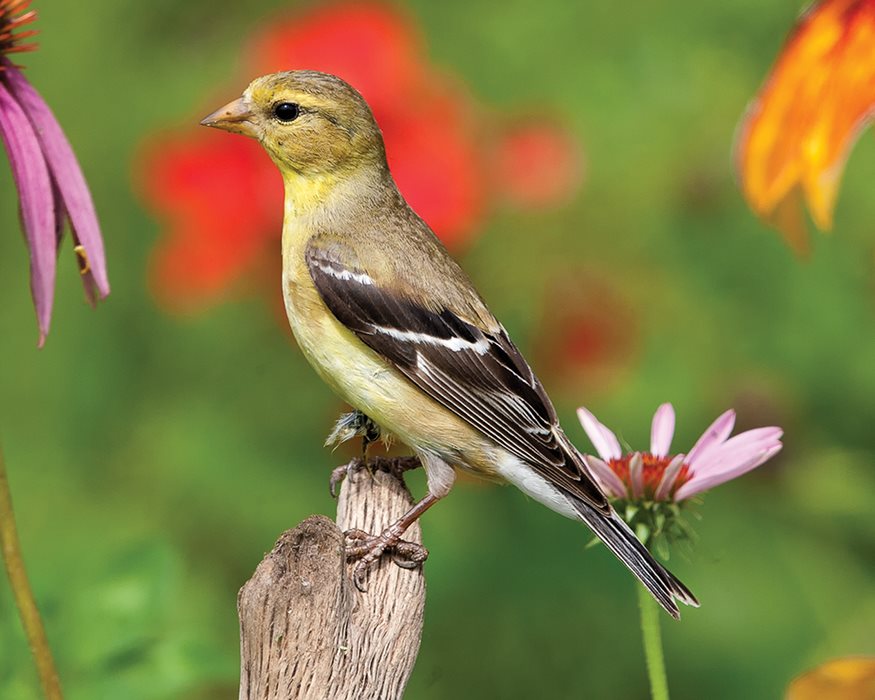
point(527, 480)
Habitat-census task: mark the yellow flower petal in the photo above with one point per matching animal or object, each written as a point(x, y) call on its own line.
point(850, 678)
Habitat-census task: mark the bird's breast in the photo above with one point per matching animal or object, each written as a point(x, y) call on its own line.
point(366, 380)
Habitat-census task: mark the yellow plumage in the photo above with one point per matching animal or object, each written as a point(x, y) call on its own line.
point(354, 371)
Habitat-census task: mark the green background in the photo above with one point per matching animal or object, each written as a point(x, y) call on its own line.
point(154, 459)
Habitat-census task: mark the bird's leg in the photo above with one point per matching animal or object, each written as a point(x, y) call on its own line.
point(368, 548)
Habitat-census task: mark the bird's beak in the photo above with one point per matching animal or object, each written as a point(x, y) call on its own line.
point(235, 117)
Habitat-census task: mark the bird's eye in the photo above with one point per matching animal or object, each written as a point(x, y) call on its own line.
point(286, 111)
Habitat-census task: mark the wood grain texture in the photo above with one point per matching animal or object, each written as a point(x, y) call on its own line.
point(306, 631)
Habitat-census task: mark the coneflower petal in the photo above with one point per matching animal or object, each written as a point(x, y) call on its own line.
point(713, 436)
point(709, 481)
point(34, 184)
point(610, 482)
point(669, 477)
point(604, 441)
point(636, 475)
point(67, 175)
point(662, 430)
point(736, 450)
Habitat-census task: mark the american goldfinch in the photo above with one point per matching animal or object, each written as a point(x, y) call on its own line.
point(391, 322)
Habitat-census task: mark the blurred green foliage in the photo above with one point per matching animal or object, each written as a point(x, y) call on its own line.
point(154, 459)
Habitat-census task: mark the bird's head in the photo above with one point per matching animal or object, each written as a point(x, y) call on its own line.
point(310, 123)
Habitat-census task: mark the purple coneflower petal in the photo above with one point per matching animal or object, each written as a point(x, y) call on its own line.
point(636, 475)
point(68, 176)
point(610, 482)
point(715, 434)
point(604, 441)
point(662, 430)
point(736, 450)
point(60, 216)
point(702, 483)
point(37, 207)
point(669, 477)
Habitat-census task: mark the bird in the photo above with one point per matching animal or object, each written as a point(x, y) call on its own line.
point(391, 322)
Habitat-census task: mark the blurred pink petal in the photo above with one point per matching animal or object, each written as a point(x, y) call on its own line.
point(602, 438)
point(662, 430)
point(36, 199)
point(68, 177)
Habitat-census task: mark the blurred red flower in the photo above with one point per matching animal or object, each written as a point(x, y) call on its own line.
point(221, 199)
point(537, 164)
point(588, 334)
point(798, 132)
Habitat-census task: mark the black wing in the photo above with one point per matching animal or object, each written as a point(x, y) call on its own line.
point(479, 375)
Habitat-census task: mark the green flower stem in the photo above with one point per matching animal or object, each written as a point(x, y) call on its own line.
point(30, 617)
point(650, 614)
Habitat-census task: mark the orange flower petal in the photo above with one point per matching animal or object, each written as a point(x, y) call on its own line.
point(840, 679)
point(800, 129)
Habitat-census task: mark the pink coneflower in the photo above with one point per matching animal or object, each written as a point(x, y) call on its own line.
point(50, 183)
point(662, 477)
point(650, 488)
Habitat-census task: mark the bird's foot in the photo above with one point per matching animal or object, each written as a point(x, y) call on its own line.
point(351, 425)
point(344, 471)
point(394, 465)
point(369, 548)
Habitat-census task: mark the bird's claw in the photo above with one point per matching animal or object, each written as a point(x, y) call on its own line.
point(394, 465)
point(344, 471)
point(409, 555)
point(369, 548)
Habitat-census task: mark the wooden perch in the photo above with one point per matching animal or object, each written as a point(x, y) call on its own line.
point(306, 631)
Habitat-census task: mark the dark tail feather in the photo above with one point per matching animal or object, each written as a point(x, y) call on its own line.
point(620, 539)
